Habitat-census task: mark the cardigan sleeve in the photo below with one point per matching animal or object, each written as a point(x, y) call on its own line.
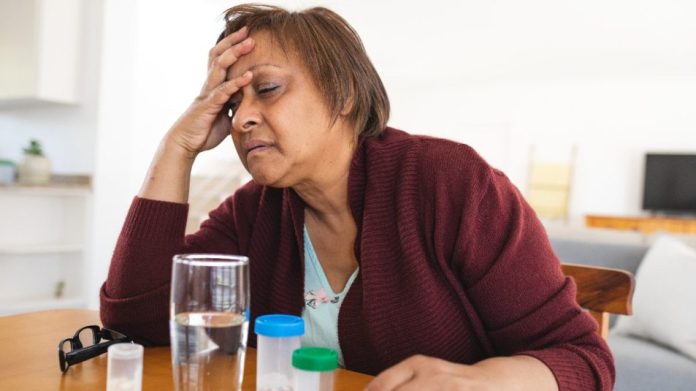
point(135, 297)
point(525, 303)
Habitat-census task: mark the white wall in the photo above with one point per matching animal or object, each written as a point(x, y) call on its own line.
point(616, 78)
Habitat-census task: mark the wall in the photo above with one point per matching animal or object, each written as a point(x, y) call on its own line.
point(615, 78)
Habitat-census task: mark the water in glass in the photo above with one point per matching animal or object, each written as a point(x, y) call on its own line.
point(206, 345)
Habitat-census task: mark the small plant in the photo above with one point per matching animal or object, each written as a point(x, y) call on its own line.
point(34, 148)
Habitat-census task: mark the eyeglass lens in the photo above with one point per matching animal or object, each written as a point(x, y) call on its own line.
point(87, 336)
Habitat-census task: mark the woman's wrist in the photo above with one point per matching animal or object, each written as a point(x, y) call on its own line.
point(175, 148)
point(518, 373)
point(169, 175)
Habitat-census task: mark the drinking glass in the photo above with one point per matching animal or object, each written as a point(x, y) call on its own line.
point(209, 318)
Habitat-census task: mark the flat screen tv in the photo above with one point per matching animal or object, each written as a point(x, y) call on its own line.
point(670, 183)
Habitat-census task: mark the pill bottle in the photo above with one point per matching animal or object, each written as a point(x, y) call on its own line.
point(278, 335)
point(314, 368)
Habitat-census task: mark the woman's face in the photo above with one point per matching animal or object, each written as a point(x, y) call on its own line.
point(281, 126)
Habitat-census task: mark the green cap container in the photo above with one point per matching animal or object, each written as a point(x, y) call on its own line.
point(315, 359)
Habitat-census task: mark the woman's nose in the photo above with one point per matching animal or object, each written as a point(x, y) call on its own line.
point(246, 116)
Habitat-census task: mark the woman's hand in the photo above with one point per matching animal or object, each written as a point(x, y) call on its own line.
point(422, 373)
point(203, 126)
point(205, 123)
point(498, 373)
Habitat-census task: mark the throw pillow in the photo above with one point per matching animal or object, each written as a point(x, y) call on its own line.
point(664, 300)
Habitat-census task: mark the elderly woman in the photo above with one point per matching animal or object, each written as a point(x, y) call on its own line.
point(409, 255)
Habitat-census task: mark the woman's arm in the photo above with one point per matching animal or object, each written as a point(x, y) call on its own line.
point(203, 126)
point(539, 338)
point(526, 305)
point(134, 298)
point(169, 175)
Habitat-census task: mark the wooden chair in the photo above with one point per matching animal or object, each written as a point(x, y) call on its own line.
point(602, 291)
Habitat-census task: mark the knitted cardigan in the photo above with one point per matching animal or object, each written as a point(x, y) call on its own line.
point(453, 264)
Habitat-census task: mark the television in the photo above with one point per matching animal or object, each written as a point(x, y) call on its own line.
point(670, 183)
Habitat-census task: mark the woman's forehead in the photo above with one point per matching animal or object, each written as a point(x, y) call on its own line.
point(267, 53)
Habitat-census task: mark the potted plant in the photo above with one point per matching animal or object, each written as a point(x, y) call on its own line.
point(35, 169)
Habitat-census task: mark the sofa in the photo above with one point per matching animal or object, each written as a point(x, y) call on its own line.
point(641, 364)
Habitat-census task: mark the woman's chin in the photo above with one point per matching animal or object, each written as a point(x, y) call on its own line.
point(266, 179)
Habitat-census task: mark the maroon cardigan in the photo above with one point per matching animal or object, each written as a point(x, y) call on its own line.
point(453, 264)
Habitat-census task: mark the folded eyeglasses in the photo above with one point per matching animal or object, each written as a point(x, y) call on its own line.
point(87, 343)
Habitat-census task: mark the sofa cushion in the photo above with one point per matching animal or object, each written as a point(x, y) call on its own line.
point(665, 297)
point(644, 365)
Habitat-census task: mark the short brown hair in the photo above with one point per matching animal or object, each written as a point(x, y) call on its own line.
point(333, 54)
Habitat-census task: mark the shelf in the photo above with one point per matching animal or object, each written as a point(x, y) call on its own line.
point(16, 306)
point(49, 190)
point(28, 249)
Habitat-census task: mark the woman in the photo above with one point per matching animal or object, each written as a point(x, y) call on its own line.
point(443, 276)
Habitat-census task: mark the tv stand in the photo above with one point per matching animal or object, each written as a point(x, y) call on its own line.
point(644, 224)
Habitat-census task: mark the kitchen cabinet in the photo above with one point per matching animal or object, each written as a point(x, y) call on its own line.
point(39, 51)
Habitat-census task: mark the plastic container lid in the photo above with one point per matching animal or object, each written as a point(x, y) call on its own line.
point(279, 325)
point(126, 351)
point(315, 359)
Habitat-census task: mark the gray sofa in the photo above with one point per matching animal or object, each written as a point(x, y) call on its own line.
point(640, 364)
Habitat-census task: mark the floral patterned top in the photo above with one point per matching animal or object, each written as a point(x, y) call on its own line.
point(320, 312)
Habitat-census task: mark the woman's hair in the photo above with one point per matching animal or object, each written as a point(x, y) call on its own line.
point(333, 53)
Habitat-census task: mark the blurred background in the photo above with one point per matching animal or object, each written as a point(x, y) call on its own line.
point(566, 97)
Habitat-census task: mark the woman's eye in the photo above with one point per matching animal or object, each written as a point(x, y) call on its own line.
point(267, 89)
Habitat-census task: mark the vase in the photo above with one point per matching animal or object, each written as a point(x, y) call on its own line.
point(34, 170)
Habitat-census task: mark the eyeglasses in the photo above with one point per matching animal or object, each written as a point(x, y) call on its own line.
point(86, 343)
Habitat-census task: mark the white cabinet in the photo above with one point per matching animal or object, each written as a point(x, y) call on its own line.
point(42, 247)
point(39, 51)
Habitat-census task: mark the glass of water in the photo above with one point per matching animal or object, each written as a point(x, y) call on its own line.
point(209, 318)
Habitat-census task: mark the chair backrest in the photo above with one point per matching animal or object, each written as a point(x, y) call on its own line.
point(602, 291)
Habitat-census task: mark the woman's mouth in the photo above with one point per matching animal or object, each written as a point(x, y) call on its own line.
point(254, 148)
point(257, 150)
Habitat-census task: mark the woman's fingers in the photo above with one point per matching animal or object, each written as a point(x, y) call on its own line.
point(217, 72)
point(222, 93)
point(395, 376)
point(420, 373)
point(227, 43)
point(205, 124)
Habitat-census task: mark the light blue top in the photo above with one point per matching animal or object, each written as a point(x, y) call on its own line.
point(320, 312)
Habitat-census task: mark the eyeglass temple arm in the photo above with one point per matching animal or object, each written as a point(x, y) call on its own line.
point(83, 354)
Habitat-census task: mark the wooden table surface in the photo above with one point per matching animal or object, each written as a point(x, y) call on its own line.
point(29, 358)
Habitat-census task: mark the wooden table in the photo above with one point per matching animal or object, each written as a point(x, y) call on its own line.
point(29, 358)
